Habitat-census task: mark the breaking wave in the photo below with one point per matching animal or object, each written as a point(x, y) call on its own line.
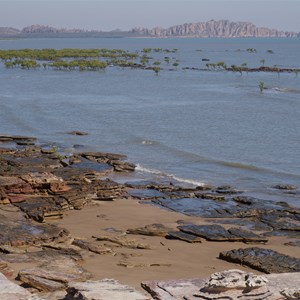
point(159, 173)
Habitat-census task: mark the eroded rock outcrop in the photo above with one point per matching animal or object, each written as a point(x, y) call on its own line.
point(235, 284)
point(230, 284)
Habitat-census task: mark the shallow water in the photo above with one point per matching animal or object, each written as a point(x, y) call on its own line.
point(193, 126)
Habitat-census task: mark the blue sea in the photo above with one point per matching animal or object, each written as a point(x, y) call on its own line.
point(193, 126)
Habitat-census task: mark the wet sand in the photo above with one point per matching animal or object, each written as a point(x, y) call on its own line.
point(180, 259)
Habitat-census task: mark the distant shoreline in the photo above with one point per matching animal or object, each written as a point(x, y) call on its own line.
point(209, 29)
point(70, 36)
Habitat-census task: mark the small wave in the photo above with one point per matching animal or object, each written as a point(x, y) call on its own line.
point(284, 90)
point(168, 175)
point(239, 166)
point(149, 142)
point(256, 169)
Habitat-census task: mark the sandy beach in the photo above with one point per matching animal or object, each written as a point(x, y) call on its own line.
point(62, 223)
point(184, 260)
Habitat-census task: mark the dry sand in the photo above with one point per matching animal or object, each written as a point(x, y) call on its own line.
point(184, 260)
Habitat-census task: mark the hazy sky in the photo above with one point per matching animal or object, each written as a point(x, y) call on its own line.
point(124, 14)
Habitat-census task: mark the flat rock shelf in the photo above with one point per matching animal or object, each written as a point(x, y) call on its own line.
point(41, 259)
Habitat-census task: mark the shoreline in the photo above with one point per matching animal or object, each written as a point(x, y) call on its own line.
point(62, 214)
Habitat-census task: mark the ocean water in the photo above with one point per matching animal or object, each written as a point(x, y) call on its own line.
point(187, 125)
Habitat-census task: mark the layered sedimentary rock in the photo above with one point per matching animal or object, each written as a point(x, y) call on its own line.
point(54, 274)
point(264, 260)
point(103, 289)
point(12, 291)
point(219, 233)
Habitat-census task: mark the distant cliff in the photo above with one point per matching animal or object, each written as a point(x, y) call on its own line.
point(49, 29)
point(222, 28)
point(9, 31)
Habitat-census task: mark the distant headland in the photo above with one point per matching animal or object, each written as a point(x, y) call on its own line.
point(209, 29)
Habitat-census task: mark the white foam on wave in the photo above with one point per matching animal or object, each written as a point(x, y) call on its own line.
point(149, 142)
point(283, 90)
point(168, 175)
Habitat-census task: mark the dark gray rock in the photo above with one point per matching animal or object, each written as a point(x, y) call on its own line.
point(251, 224)
point(264, 260)
point(285, 187)
point(140, 184)
point(212, 196)
point(198, 207)
point(248, 236)
point(99, 167)
point(180, 235)
point(145, 194)
point(16, 138)
point(295, 243)
point(218, 233)
point(283, 220)
point(209, 232)
point(77, 132)
point(227, 190)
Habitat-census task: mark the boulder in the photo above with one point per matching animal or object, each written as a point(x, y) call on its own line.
point(235, 284)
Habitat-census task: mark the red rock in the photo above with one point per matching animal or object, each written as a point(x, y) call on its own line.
point(24, 188)
point(16, 198)
point(59, 187)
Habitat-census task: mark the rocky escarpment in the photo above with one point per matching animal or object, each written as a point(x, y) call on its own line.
point(212, 28)
point(9, 30)
point(49, 29)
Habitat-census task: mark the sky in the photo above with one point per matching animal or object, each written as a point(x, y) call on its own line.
point(123, 14)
